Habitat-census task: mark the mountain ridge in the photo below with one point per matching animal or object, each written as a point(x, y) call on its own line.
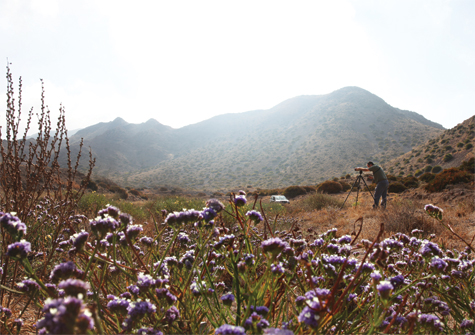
point(300, 140)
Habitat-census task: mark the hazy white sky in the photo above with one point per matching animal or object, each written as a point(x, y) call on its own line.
point(181, 62)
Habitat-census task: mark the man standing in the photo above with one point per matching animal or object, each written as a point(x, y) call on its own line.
point(381, 182)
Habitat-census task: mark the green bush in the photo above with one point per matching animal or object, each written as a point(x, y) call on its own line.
point(411, 182)
point(468, 146)
point(92, 185)
point(428, 168)
point(418, 173)
point(391, 177)
point(448, 177)
point(437, 169)
point(330, 187)
point(396, 187)
point(427, 177)
point(345, 185)
point(468, 165)
point(459, 145)
point(448, 157)
point(294, 191)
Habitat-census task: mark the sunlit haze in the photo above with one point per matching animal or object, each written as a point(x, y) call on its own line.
point(182, 62)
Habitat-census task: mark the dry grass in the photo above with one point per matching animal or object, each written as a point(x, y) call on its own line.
point(403, 214)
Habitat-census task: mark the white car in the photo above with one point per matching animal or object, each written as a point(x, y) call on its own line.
point(279, 199)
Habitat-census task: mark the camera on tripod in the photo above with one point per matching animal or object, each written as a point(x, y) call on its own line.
point(356, 185)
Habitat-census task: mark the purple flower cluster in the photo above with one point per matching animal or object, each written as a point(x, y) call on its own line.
point(434, 211)
point(78, 240)
point(240, 200)
point(227, 299)
point(12, 225)
point(273, 246)
point(64, 271)
point(101, 226)
point(28, 285)
point(65, 316)
point(215, 204)
point(184, 217)
point(208, 214)
point(74, 287)
point(230, 330)
point(118, 305)
point(431, 322)
point(133, 231)
point(255, 216)
point(19, 250)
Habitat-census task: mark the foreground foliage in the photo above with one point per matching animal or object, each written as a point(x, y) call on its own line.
point(195, 274)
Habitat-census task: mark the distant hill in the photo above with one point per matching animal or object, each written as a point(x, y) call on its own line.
point(447, 150)
point(302, 140)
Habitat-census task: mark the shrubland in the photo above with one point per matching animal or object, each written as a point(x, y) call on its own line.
point(234, 265)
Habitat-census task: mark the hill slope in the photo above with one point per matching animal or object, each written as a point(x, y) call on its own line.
point(302, 140)
point(447, 150)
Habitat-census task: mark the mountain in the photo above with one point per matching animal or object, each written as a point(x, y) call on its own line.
point(447, 150)
point(302, 140)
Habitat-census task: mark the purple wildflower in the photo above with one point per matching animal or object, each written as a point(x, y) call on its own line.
point(273, 246)
point(344, 239)
point(376, 276)
point(172, 314)
point(227, 299)
point(79, 239)
point(64, 271)
point(240, 200)
point(438, 264)
point(397, 280)
point(466, 324)
point(133, 289)
point(215, 204)
point(19, 250)
point(101, 226)
point(255, 216)
point(133, 231)
point(6, 311)
point(28, 285)
point(146, 240)
point(74, 287)
point(309, 317)
point(208, 214)
point(384, 289)
point(184, 217)
point(65, 316)
point(434, 211)
point(13, 225)
point(230, 330)
point(431, 321)
point(145, 281)
point(183, 238)
point(125, 219)
point(277, 331)
point(137, 310)
point(430, 248)
point(118, 305)
point(277, 268)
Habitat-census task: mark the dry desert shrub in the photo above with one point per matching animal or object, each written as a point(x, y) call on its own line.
point(404, 215)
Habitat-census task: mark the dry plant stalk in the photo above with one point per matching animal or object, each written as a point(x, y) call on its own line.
point(30, 170)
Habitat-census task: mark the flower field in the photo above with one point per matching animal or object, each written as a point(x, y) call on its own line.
point(194, 274)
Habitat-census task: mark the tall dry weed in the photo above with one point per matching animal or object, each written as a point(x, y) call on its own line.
point(404, 215)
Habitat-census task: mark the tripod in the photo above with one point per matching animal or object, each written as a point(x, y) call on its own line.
point(359, 178)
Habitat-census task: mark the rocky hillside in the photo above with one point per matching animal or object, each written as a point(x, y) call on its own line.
point(447, 150)
point(302, 140)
